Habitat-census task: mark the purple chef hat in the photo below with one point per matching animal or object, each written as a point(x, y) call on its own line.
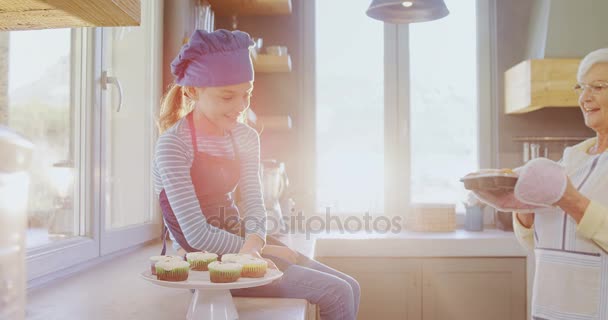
point(213, 59)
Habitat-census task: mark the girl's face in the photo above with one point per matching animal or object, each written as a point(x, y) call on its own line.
point(223, 106)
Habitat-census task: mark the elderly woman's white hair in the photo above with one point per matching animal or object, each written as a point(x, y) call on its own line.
point(594, 57)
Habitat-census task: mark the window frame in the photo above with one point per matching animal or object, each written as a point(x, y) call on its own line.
point(114, 240)
point(397, 106)
point(48, 262)
point(46, 259)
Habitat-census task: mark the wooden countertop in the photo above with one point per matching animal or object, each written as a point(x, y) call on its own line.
point(113, 290)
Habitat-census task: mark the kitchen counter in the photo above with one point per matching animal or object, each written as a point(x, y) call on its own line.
point(113, 289)
point(459, 243)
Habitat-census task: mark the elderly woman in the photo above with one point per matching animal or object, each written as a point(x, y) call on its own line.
point(562, 211)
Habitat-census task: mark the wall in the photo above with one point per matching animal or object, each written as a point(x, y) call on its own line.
point(512, 22)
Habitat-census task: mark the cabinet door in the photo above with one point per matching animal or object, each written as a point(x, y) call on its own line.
point(474, 288)
point(390, 287)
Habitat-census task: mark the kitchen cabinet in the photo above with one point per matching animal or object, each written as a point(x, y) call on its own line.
point(390, 287)
point(437, 288)
point(474, 288)
point(33, 14)
point(539, 83)
point(250, 7)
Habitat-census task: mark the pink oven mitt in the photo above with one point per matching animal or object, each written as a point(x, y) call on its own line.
point(541, 183)
point(504, 201)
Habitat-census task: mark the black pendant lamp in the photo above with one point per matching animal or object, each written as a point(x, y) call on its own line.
point(400, 12)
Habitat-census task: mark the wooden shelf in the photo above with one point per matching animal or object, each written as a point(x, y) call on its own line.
point(268, 122)
point(225, 8)
point(32, 14)
point(274, 123)
point(536, 84)
point(267, 63)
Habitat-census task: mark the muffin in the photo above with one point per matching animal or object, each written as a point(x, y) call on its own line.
point(155, 259)
point(253, 268)
point(235, 257)
point(199, 260)
point(172, 270)
point(224, 272)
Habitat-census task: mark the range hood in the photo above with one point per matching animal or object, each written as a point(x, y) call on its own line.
point(560, 33)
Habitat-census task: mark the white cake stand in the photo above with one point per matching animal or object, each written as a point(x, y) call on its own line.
point(212, 301)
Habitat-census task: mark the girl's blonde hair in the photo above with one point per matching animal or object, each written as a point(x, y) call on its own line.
point(175, 105)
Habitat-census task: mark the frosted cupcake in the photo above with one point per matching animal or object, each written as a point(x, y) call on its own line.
point(224, 272)
point(199, 260)
point(172, 270)
point(155, 259)
point(253, 268)
point(235, 257)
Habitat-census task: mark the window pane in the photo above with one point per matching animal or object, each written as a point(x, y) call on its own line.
point(349, 107)
point(39, 106)
point(127, 132)
point(443, 62)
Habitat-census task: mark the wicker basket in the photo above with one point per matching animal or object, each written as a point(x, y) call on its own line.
point(432, 218)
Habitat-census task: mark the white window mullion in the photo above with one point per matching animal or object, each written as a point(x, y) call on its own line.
point(396, 119)
point(487, 80)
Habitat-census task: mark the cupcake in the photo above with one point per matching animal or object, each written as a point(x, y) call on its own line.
point(223, 272)
point(155, 259)
point(172, 270)
point(253, 268)
point(235, 257)
point(199, 260)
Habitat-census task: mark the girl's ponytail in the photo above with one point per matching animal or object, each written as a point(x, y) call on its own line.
point(173, 107)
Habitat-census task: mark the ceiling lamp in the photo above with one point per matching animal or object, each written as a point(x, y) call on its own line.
point(399, 11)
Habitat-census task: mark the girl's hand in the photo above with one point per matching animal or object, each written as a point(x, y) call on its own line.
point(281, 252)
point(257, 255)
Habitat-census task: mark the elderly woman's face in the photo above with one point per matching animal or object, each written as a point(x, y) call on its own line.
point(595, 104)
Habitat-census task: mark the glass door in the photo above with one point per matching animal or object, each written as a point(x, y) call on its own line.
point(130, 88)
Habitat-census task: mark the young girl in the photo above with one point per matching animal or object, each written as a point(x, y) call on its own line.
point(204, 152)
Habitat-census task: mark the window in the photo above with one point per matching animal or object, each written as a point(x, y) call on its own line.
point(443, 104)
point(350, 108)
point(40, 106)
point(90, 192)
point(398, 116)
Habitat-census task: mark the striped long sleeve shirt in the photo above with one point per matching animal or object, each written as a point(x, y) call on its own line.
point(171, 171)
